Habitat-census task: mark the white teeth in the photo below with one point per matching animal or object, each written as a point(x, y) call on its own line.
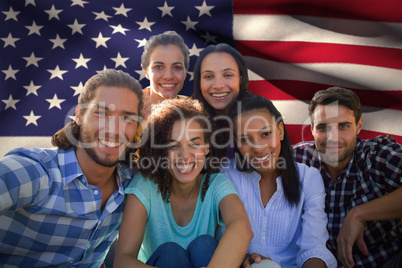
point(167, 85)
point(219, 95)
point(262, 158)
point(111, 144)
point(184, 168)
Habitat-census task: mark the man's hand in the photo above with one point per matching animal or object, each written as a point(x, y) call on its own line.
point(253, 258)
point(351, 231)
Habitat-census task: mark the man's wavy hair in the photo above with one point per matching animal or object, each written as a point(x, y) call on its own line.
point(159, 128)
point(109, 78)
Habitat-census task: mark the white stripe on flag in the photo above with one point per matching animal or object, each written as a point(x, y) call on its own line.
point(9, 143)
point(316, 29)
point(347, 75)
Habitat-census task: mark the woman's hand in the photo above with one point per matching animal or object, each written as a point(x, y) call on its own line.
point(253, 258)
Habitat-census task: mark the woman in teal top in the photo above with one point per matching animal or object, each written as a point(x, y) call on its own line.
point(174, 207)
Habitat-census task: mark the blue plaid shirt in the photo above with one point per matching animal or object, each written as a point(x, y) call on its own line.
point(374, 170)
point(50, 216)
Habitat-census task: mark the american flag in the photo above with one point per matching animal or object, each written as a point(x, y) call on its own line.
point(49, 48)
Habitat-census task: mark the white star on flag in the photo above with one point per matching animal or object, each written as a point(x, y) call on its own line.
point(55, 102)
point(194, 51)
point(32, 89)
point(141, 43)
point(119, 61)
point(166, 10)
point(80, 3)
point(10, 41)
point(76, 27)
point(204, 9)
point(56, 73)
point(100, 40)
point(77, 89)
point(81, 61)
point(34, 28)
point(58, 42)
point(189, 24)
point(119, 29)
point(141, 73)
point(11, 14)
point(32, 118)
point(122, 10)
point(10, 103)
point(102, 16)
point(30, 2)
point(53, 13)
point(10, 73)
point(145, 24)
point(32, 60)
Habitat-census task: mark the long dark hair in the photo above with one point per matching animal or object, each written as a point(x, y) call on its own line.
point(223, 137)
point(289, 173)
point(241, 64)
point(160, 124)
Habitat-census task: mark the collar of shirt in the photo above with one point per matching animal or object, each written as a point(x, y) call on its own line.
point(70, 169)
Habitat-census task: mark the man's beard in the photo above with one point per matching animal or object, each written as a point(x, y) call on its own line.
point(89, 144)
point(334, 159)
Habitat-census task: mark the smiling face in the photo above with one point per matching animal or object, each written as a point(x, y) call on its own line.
point(258, 138)
point(220, 81)
point(107, 125)
point(187, 152)
point(335, 133)
point(166, 71)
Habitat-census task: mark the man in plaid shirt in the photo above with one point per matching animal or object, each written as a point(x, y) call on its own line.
point(62, 207)
point(362, 179)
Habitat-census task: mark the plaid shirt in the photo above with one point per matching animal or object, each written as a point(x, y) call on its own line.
point(374, 170)
point(50, 216)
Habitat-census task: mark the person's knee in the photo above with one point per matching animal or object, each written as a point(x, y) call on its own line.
point(203, 242)
point(201, 250)
point(169, 255)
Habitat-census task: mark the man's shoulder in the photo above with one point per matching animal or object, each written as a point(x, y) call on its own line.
point(380, 145)
point(303, 148)
point(304, 144)
point(379, 141)
point(34, 154)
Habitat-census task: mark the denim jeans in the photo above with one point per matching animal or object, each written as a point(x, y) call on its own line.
point(198, 254)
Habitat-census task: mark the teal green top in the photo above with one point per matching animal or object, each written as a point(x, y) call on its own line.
point(161, 226)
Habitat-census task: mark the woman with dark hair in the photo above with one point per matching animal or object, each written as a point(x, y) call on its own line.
point(174, 207)
point(284, 200)
point(220, 78)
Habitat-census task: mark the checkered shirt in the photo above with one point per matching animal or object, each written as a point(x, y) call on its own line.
point(50, 216)
point(374, 171)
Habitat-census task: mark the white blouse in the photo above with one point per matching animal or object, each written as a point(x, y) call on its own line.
point(289, 235)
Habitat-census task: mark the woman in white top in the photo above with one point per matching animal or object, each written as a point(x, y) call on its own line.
point(284, 200)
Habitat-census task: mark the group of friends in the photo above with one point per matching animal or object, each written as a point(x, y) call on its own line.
point(210, 180)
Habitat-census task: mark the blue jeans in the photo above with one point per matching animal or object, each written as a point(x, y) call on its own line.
point(198, 254)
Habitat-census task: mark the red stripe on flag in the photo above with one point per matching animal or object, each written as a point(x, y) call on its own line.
point(299, 133)
point(386, 11)
point(309, 52)
point(299, 90)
